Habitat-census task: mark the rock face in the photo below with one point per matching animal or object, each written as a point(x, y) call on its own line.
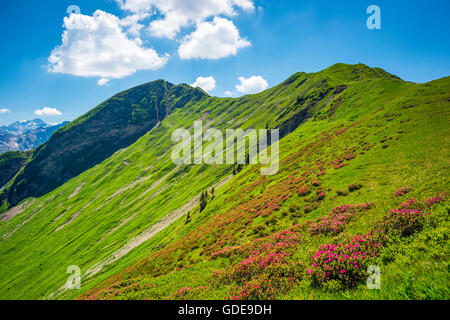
point(26, 135)
point(95, 136)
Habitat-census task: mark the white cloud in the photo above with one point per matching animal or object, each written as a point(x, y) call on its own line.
point(212, 40)
point(168, 27)
point(177, 14)
point(228, 93)
point(48, 112)
point(254, 84)
point(132, 25)
point(245, 4)
point(5, 111)
point(98, 46)
point(206, 83)
point(102, 82)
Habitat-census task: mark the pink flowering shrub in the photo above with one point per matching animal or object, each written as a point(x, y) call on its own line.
point(267, 267)
point(406, 221)
point(303, 191)
point(345, 263)
point(320, 195)
point(264, 267)
point(336, 220)
point(116, 291)
point(227, 252)
point(409, 217)
point(187, 293)
point(255, 265)
point(261, 288)
point(274, 243)
point(275, 264)
point(336, 167)
point(436, 200)
point(402, 191)
point(321, 173)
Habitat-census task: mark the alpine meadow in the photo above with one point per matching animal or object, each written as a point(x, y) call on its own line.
point(359, 201)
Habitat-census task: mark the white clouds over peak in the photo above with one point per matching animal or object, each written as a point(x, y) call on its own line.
point(105, 46)
point(212, 40)
point(48, 112)
point(254, 84)
point(177, 14)
point(206, 83)
point(97, 46)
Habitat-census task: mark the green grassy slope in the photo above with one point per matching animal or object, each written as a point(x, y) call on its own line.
point(345, 125)
point(385, 142)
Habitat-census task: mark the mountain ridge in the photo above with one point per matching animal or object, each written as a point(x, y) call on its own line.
point(317, 85)
point(20, 127)
point(376, 134)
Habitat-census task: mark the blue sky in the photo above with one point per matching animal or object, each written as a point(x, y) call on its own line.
point(260, 42)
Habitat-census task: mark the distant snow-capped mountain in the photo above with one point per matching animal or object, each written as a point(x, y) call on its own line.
point(24, 126)
point(26, 135)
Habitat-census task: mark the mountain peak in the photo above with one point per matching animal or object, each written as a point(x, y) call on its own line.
point(24, 126)
point(356, 72)
point(114, 124)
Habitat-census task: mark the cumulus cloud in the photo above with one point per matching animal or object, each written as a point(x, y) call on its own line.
point(245, 4)
point(254, 84)
point(48, 112)
point(228, 93)
point(212, 40)
point(107, 47)
point(5, 111)
point(132, 23)
point(98, 46)
point(206, 83)
point(177, 14)
point(102, 82)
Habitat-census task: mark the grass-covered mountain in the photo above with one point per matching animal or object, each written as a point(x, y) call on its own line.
point(357, 142)
point(92, 138)
point(26, 135)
